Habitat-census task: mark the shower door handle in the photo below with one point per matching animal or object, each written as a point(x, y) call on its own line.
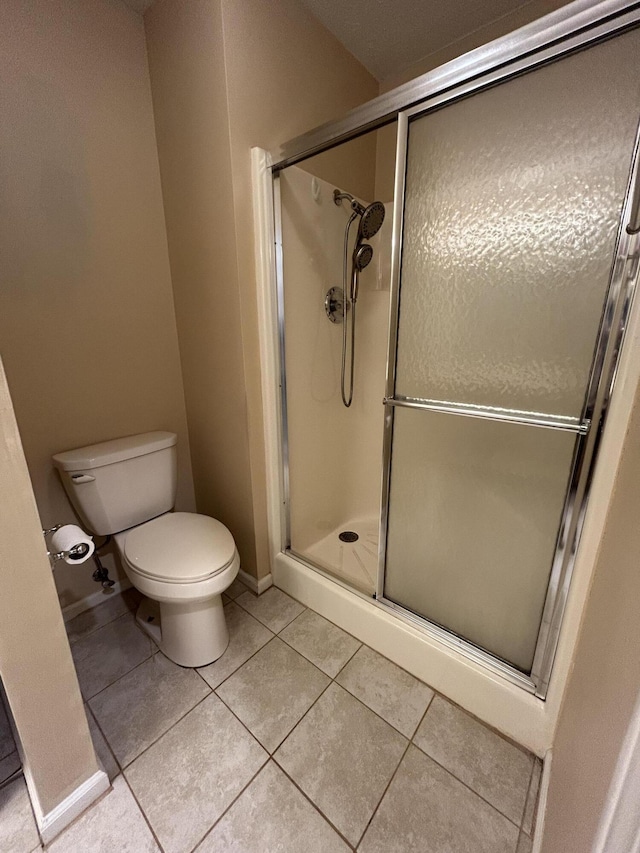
point(634, 214)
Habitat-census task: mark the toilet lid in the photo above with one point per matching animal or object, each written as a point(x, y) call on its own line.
point(180, 547)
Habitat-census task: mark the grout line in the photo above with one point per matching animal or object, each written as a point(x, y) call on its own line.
point(382, 796)
point(172, 726)
point(244, 725)
point(302, 654)
point(258, 619)
point(295, 725)
point(124, 675)
point(394, 774)
point(154, 650)
point(379, 716)
point(536, 802)
point(240, 665)
point(315, 805)
point(526, 799)
point(231, 804)
point(466, 785)
point(143, 813)
point(313, 704)
point(104, 737)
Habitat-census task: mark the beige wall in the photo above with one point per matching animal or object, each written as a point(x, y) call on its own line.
point(87, 328)
point(228, 75)
point(35, 660)
point(186, 61)
point(603, 686)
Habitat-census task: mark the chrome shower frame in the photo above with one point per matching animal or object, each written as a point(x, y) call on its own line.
point(574, 27)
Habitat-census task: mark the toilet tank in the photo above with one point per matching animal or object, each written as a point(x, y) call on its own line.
point(121, 483)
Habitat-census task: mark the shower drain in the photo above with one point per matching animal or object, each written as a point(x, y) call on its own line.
point(348, 536)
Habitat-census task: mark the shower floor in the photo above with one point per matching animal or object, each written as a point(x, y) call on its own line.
point(354, 562)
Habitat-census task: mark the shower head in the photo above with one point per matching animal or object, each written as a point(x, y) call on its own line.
point(371, 217)
point(371, 221)
point(362, 257)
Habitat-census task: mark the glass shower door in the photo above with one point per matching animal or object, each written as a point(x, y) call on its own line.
point(513, 198)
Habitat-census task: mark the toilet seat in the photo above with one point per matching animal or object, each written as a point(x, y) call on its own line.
point(180, 547)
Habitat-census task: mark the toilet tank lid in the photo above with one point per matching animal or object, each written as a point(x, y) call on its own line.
point(116, 450)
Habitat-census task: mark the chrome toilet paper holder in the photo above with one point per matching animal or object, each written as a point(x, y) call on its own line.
point(77, 552)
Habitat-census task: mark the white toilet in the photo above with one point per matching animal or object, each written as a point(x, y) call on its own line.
point(183, 561)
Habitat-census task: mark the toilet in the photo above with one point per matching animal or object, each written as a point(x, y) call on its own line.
point(181, 561)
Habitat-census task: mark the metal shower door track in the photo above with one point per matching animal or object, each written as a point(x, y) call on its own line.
point(573, 26)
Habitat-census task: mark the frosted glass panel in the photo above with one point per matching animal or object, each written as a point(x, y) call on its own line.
point(475, 508)
point(512, 205)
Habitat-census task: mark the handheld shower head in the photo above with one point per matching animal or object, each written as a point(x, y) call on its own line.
point(363, 256)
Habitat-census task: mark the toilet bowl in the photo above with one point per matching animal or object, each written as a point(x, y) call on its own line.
point(181, 560)
point(184, 561)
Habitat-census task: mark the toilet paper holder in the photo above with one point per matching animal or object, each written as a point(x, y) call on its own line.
point(77, 552)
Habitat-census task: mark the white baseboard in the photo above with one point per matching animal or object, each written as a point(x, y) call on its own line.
point(52, 823)
point(538, 829)
point(93, 600)
point(257, 586)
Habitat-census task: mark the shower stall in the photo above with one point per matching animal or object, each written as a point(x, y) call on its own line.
point(451, 492)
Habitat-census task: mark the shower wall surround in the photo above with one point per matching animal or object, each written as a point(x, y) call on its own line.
point(335, 454)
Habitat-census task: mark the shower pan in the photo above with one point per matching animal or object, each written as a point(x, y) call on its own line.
point(490, 324)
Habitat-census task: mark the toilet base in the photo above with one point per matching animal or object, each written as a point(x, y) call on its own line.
point(190, 634)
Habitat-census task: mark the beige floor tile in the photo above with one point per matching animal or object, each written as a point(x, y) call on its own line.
point(385, 688)
point(236, 589)
point(273, 608)
point(18, 833)
point(525, 844)
point(254, 824)
point(9, 764)
point(7, 744)
point(113, 825)
point(186, 780)
point(272, 691)
point(532, 798)
point(109, 653)
point(139, 707)
point(342, 756)
point(489, 764)
point(114, 605)
point(246, 636)
point(427, 810)
point(106, 757)
point(324, 644)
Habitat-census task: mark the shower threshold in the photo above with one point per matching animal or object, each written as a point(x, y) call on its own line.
point(355, 562)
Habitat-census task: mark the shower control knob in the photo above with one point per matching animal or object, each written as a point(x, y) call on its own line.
point(334, 304)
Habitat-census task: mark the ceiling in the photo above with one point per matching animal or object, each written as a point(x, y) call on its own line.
point(387, 36)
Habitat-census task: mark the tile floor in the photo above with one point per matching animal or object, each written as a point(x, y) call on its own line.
point(298, 738)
